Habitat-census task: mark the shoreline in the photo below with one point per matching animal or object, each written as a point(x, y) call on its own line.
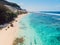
point(8, 36)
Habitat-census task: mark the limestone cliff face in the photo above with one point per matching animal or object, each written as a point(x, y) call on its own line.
point(10, 5)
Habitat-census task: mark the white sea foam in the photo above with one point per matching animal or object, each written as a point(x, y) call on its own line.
point(36, 33)
point(52, 14)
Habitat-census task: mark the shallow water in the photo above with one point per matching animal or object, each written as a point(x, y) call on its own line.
point(40, 29)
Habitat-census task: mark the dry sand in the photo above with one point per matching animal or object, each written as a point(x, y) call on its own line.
point(7, 36)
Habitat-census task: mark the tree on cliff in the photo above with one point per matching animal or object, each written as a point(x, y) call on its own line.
point(6, 15)
point(14, 5)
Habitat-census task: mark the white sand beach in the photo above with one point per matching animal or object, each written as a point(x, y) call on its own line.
point(7, 36)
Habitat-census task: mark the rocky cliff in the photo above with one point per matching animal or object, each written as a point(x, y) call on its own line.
point(14, 5)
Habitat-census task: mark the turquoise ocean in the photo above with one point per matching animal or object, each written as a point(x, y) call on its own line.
point(40, 28)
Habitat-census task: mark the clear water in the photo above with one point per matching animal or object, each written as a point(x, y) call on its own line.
point(40, 29)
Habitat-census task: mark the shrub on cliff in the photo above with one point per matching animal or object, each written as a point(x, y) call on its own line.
point(6, 15)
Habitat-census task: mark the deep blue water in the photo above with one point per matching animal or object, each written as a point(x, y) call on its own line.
point(41, 29)
point(56, 12)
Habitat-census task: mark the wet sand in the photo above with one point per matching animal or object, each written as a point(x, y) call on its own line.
point(9, 33)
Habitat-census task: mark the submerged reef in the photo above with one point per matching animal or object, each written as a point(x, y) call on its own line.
point(18, 41)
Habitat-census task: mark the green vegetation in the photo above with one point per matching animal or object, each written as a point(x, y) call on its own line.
point(21, 12)
point(6, 15)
